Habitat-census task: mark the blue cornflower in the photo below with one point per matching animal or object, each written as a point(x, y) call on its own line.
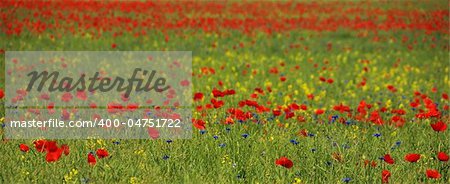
point(202, 132)
point(311, 135)
point(222, 145)
point(165, 157)
point(215, 137)
point(244, 135)
point(377, 135)
point(116, 142)
point(293, 141)
point(397, 144)
point(169, 141)
point(346, 180)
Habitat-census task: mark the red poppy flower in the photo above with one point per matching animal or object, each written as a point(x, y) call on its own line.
point(303, 133)
point(341, 108)
point(39, 145)
point(217, 93)
point(439, 126)
point(276, 112)
point(45, 96)
point(24, 147)
point(198, 96)
point(230, 92)
point(285, 162)
point(445, 96)
point(434, 89)
point(385, 174)
point(199, 124)
point(132, 106)
point(65, 114)
point(443, 156)
point(319, 111)
point(431, 173)
point(102, 153)
point(113, 45)
point(2, 94)
point(330, 81)
point(229, 121)
point(273, 70)
point(185, 83)
point(114, 107)
point(153, 132)
point(414, 104)
point(259, 90)
point(53, 156)
point(51, 105)
point(93, 105)
point(51, 146)
point(388, 159)
point(81, 95)
point(412, 157)
point(91, 159)
point(21, 92)
point(217, 103)
point(66, 97)
point(294, 106)
point(65, 149)
point(376, 118)
point(303, 107)
point(392, 88)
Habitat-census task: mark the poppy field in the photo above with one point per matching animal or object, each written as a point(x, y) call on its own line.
point(283, 92)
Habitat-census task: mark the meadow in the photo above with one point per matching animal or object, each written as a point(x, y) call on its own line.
point(324, 92)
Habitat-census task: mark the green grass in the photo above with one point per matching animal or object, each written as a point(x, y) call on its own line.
point(202, 159)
